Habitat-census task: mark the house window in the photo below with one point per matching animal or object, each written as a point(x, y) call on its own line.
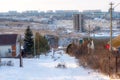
point(9, 51)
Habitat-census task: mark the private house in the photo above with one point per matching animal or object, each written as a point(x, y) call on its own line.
point(52, 41)
point(115, 44)
point(9, 45)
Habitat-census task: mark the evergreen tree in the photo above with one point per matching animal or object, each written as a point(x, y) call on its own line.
point(28, 41)
point(41, 44)
point(44, 47)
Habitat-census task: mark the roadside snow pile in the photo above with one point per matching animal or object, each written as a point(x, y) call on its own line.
point(44, 68)
point(6, 63)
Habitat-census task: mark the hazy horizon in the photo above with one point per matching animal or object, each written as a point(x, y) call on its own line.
point(44, 5)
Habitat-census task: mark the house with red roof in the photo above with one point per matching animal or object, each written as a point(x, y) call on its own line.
point(9, 45)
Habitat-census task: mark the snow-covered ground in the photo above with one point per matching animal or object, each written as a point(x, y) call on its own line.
point(104, 34)
point(44, 68)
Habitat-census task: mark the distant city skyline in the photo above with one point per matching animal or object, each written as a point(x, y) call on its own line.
point(44, 5)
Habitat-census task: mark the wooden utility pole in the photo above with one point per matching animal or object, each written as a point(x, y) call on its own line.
point(34, 44)
point(111, 12)
point(111, 8)
point(38, 48)
point(116, 61)
point(116, 55)
point(21, 61)
point(89, 38)
point(89, 32)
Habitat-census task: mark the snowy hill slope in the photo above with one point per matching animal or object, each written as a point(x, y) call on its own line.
point(44, 68)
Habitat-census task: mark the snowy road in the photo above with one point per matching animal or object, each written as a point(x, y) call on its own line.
point(44, 68)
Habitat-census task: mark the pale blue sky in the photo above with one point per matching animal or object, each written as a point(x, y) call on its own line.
point(22, 5)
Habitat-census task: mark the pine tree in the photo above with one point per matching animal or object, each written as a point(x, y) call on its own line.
point(28, 42)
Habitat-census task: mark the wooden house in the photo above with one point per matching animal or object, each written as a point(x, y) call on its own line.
point(52, 41)
point(9, 45)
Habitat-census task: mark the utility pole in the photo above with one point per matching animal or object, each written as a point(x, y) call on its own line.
point(89, 32)
point(21, 61)
point(38, 48)
point(111, 8)
point(34, 46)
point(89, 38)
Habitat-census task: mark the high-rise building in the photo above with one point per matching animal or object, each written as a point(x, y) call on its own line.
point(78, 21)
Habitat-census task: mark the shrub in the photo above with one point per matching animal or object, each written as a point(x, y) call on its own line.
point(98, 60)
